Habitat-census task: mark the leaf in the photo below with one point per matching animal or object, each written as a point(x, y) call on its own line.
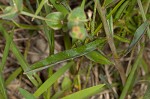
point(39, 8)
point(131, 76)
point(52, 79)
point(98, 57)
point(2, 65)
point(10, 13)
point(59, 7)
point(18, 55)
point(85, 93)
point(121, 10)
point(13, 76)
point(66, 83)
point(6, 52)
point(26, 94)
point(76, 17)
point(122, 39)
point(57, 95)
point(65, 55)
point(55, 20)
point(137, 36)
point(104, 80)
point(107, 2)
point(19, 4)
point(3, 91)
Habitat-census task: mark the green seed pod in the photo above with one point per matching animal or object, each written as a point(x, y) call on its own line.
point(55, 20)
point(76, 17)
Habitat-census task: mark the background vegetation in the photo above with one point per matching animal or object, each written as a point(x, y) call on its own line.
point(74, 49)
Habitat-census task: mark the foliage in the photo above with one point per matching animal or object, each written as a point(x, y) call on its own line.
point(108, 37)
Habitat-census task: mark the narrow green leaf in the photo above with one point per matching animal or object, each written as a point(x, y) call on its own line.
point(83, 4)
point(144, 14)
point(65, 3)
point(98, 57)
point(59, 7)
point(66, 83)
point(5, 53)
point(52, 79)
point(107, 2)
point(26, 94)
point(57, 95)
point(137, 36)
point(17, 53)
point(85, 93)
point(121, 9)
point(2, 64)
point(13, 76)
point(19, 4)
point(40, 7)
point(131, 75)
point(65, 55)
point(2, 87)
point(109, 15)
point(122, 39)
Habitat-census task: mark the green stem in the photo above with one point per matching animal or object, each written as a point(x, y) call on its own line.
point(111, 43)
point(35, 16)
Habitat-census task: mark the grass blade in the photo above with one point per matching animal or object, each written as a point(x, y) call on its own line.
point(121, 10)
point(109, 15)
point(137, 36)
point(84, 94)
point(26, 94)
point(59, 7)
point(19, 4)
point(143, 15)
point(97, 57)
point(4, 59)
point(65, 55)
point(83, 4)
point(13, 76)
point(6, 51)
point(40, 7)
point(103, 78)
point(131, 75)
point(52, 79)
point(2, 87)
point(16, 52)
